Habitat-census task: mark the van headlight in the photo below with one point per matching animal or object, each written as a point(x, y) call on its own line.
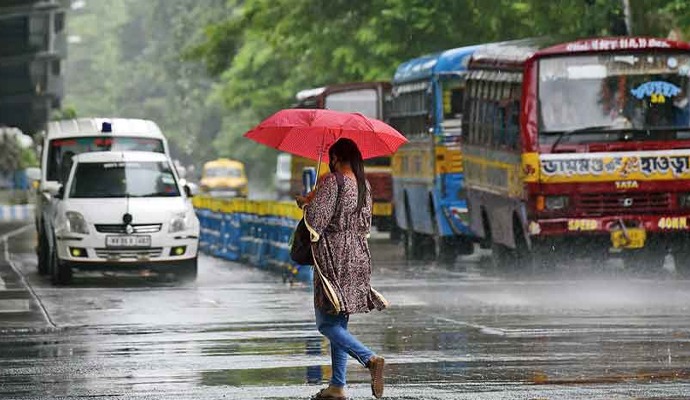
point(76, 223)
point(180, 222)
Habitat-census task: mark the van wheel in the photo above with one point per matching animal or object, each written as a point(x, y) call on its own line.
point(43, 255)
point(60, 272)
point(189, 270)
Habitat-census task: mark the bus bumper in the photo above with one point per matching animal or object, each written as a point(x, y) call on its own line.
point(618, 232)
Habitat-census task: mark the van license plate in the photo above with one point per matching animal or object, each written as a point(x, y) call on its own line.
point(128, 241)
point(635, 239)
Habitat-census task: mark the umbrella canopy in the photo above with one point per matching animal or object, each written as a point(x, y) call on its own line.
point(310, 132)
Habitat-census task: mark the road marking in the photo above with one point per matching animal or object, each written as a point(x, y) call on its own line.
point(487, 330)
point(22, 278)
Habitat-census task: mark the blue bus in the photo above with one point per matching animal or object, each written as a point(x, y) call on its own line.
point(425, 104)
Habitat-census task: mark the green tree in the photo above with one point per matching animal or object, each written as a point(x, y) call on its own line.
point(11, 154)
point(131, 65)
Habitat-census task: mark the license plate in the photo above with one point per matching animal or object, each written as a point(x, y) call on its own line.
point(128, 241)
point(635, 239)
point(382, 209)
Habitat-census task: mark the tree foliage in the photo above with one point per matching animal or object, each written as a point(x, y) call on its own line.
point(208, 70)
point(11, 151)
point(130, 64)
point(267, 50)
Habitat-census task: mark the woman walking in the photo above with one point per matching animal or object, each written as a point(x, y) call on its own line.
point(338, 216)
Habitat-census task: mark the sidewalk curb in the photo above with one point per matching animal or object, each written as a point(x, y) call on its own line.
point(13, 298)
point(20, 289)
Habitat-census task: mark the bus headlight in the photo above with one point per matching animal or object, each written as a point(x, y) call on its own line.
point(556, 203)
point(684, 200)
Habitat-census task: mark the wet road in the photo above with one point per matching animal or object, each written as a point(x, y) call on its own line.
point(451, 333)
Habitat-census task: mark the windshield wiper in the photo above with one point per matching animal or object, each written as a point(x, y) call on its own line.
point(586, 129)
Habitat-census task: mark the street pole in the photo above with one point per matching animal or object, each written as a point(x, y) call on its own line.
point(627, 13)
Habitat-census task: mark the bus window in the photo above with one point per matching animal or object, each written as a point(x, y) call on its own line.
point(378, 162)
point(453, 95)
point(474, 114)
point(364, 101)
point(485, 128)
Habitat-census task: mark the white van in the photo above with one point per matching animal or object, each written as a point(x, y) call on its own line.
point(67, 138)
point(123, 211)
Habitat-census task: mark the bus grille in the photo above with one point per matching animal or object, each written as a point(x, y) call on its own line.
point(623, 203)
point(381, 186)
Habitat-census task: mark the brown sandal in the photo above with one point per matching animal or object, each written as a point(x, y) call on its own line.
point(321, 396)
point(375, 366)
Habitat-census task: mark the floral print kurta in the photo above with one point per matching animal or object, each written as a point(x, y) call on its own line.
point(342, 269)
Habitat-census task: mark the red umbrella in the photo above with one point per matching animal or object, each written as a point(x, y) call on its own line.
point(310, 132)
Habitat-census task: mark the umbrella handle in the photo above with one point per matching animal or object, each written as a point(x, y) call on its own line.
point(318, 166)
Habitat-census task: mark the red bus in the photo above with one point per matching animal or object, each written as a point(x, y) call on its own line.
point(580, 148)
point(366, 98)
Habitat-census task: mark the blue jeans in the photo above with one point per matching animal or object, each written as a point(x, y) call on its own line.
point(334, 327)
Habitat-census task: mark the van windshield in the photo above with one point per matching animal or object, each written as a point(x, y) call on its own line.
point(123, 179)
point(61, 151)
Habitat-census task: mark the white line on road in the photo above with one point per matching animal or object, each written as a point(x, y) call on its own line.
point(25, 282)
point(487, 330)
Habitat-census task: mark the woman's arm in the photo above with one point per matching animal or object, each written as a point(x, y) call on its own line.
point(319, 211)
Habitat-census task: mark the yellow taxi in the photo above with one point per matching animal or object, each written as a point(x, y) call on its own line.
point(224, 178)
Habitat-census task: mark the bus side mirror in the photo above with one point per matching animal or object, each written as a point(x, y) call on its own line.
point(188, 191)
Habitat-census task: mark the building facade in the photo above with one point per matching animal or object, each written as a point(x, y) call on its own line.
point(32, 53)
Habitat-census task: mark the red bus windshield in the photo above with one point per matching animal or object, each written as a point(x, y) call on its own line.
point(614, 97)
point(61, 151)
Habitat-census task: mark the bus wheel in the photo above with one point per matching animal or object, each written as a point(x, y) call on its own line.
point(486, 242)
point(413, 247)
point(413, 241)
point(502, 257)
point(682, 262)
point(395, 233)
point(444, 250)
point(543, 257)
point(464, 246)
point(645, 260)
point(521, 258)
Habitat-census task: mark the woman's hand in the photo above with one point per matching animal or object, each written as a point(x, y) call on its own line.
point(304, 200)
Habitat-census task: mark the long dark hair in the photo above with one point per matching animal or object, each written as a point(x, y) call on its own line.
point(345, 150)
